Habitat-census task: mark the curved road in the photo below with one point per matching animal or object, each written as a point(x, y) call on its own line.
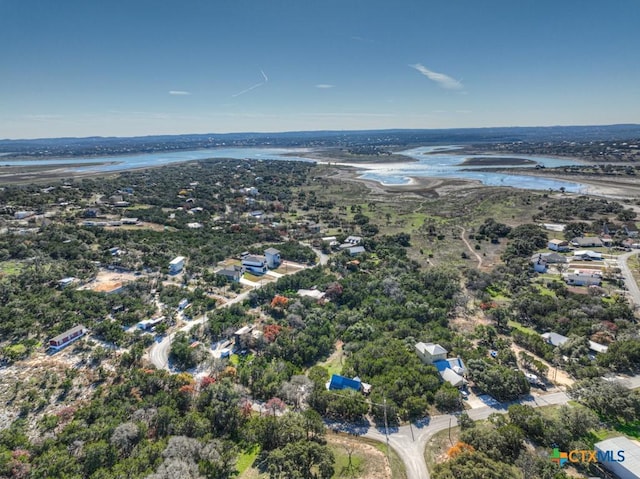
point(159, 352)
point(410, 442)
point(629, 280)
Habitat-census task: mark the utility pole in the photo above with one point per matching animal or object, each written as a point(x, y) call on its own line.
point(386, 426)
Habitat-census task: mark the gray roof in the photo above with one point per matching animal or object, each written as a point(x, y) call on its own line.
point(432, 349)
point(271, 251)
point(587, 240)
point(555, 339)
point(452, 377)
point(630, 467)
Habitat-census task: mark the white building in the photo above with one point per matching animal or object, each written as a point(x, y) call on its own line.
point(430, 352)
point(619, 455)
point(254, 264)
point(176, 265)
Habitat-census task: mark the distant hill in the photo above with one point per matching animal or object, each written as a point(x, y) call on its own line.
point(101, 146)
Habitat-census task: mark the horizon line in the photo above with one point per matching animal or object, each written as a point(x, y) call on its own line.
point(285, 132)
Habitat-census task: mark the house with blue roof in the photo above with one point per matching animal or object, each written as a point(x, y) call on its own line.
point(337, 383)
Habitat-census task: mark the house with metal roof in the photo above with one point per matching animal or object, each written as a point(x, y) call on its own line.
point(66, 338)
point(255, 264)
point(554, 339)
point(586, 242)
point(619, 455)
point(429, 353)
point(558, 245)
point(337, 383)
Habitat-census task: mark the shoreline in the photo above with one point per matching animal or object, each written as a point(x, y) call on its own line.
point(439, 186)
point(349, 171)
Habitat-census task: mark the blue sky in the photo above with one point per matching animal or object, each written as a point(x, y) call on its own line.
point(140, 67)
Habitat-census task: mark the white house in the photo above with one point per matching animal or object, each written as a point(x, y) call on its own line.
point(255, 264)
point(430, 352)
point(176, 265)
point(554, 339)
point(558, 245)
point(583, 279)
point(539, 263)
point(587, 255)
point(272, 256)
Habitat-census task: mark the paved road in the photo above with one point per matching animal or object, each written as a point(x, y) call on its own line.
point(159, 352)
point(629, 280)
point(410, 441)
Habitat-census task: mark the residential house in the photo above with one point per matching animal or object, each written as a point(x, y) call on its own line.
point(351, 241)
point(582, 279)
point(558, 245)
point(233, 274)
point(587, 255)
point(63, 339)
point(554, 339)
point(586, 242)
point(597, 347)
point(610, 228)
point(314, 228)
point(429, 353)
point(541, 260)
point(356, 250)
point(337, 383)
point(453, 378)
point(331, 240)
point(452, 371)
point(631, 230)
point(176, 265)
point(150, 324)
point(539, 263)
point(619, 455)
point(21, 215)
point(254, 264)
point(64, 282)
point(554, 258)
point(272, 256)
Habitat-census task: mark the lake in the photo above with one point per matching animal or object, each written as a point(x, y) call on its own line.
point(433, 161)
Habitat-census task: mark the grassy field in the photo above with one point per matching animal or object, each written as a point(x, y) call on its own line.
point(397, 466)
point(247, 458)
point(368, 459)
point(438, 445)
point(10, 268)
point(519, 327)
point(333, 364)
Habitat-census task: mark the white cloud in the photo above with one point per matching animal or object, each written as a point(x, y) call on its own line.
point(179, 92)
point(324, 86)
point(444, 81)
